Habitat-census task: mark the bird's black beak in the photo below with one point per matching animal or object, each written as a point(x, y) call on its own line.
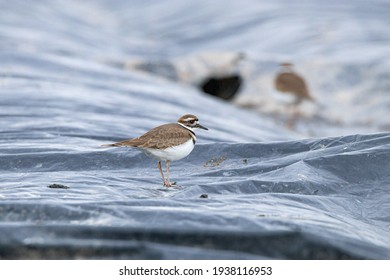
point(201, 126)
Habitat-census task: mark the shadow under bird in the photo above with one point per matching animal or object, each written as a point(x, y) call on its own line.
point(288, 81)
point(167, 142)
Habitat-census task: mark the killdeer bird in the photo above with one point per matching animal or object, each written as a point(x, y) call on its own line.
point(288, 81)
point(167, 142)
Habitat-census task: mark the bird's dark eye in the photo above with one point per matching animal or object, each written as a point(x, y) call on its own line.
point(192, 121)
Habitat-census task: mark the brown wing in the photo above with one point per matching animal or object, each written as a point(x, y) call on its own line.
point(161, 137)
point(291, 82)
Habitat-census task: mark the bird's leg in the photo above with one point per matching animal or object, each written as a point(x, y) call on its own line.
point(297, 101)
point(169, 184)
point(167, 167)
point(162, 174)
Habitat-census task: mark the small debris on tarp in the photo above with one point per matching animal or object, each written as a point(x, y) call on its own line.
point(204, 196)
point(57, 186)
point(213, 162)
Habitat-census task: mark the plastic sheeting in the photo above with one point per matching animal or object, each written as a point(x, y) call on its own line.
point(322, 198)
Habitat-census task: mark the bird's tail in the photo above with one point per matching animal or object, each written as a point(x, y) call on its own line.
point(128, 143)
point(311, 98)
point(107, 145)
point(111, 145)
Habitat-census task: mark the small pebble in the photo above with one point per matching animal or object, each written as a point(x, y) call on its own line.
point(57, 186)
point(204, 196)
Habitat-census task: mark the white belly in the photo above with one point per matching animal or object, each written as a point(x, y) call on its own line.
point(172, 153)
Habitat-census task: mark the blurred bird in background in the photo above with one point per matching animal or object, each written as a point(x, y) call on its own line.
point(287, 81)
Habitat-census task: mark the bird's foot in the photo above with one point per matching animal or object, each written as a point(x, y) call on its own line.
point(169, 184)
